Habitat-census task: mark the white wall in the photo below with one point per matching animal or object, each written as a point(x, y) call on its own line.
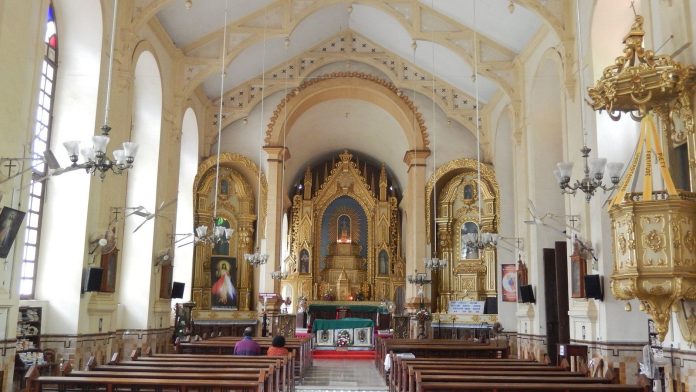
point(134, 280)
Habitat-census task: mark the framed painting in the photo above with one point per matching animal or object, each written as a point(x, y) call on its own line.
point(509, 282)
point(304, 261)
point(10, 221)
point(223, 278)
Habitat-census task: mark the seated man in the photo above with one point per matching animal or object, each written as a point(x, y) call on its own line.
point(247, 346)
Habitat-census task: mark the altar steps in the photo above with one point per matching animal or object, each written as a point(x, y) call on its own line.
point(348, 354)
point(342, 375)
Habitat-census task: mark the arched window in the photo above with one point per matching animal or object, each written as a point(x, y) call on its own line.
point(39, 144)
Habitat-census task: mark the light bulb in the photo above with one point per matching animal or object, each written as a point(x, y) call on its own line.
point(188, 4)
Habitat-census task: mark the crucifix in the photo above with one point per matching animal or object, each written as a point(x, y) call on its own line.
point(573, 219)
point(9, 165)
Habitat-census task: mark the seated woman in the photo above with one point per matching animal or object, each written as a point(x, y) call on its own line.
point(277, 347)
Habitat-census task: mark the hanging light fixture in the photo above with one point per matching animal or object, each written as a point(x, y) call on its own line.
point(96, 159)
point(433, 263)
point(279, 275)
point(419, 278)
point(220, 233)
point(257, 258)
point(594, 168)
point(479, 240)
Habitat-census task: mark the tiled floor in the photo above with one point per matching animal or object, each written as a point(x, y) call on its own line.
point(342, 375)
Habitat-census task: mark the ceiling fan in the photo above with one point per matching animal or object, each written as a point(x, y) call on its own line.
point(143, 212)
point(538, 220)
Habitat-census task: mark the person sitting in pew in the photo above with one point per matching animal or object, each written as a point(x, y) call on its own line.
point(247, 346)
point(277, 347)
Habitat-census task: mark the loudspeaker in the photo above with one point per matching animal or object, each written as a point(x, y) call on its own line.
point(178, 290)
point(527, 294)
point(491, 305)
point(593, 287)
point(93, 278)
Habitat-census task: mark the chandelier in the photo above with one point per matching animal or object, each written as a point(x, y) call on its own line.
point(419, 278)
point(594, 173)
point(279, 275)
point(220, 233)
point(256, 259)
point(95, 156)
point(435, 264)
point(594, 168)
point(481, 240)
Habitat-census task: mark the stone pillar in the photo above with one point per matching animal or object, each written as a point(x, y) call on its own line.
point(274, 219)
point(415, 213)
point(444, 238)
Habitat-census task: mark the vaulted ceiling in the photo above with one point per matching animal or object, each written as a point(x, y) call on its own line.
point(429, 47)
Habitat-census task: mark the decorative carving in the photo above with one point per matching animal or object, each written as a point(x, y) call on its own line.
point(622, 244)
point(654, 241)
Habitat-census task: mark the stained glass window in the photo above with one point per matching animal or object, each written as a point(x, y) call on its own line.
point(39, 144)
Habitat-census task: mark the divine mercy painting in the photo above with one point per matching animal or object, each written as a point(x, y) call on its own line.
point(223, 271)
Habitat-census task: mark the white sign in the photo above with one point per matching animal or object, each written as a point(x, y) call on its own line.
point(469, 307)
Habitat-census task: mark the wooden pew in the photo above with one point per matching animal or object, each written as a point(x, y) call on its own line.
point(421, 378)
point(282, 378)
point(246, 374)
point(527, 387)
point(300, 347)
point(35, 383)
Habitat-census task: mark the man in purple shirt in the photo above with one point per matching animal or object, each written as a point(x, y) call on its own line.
point(247, 346)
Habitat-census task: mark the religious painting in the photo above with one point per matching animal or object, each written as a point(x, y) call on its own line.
point(10, 221)
point(509, 282)
point(224, 187)
point(166, 279)
point(383, 260)
point(343, 229)
point(468, 232)
point(223, 276)
point(304, 261)
point(578, 270)
point(222, 246)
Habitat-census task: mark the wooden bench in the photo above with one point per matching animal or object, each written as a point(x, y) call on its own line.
point(60, 383)
point(300, 347)
point(527, 387)
point(279, 367)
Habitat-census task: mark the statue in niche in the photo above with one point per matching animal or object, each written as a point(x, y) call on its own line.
point(224, 187)
point(304, 261)
point(383, 259)
point(343, 226)
point(468, 192)
point(468, 233)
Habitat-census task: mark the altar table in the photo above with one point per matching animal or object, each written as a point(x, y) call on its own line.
point(359, 331)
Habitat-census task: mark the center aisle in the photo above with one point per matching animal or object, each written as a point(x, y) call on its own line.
point(337, 375)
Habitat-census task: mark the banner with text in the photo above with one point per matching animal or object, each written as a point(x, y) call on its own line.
point(466, 307)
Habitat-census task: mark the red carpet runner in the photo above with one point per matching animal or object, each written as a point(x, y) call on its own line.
point(333, 354)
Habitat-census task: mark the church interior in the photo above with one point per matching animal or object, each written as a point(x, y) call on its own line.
point(511, 171)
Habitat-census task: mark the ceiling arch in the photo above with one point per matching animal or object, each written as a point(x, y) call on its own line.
point(349, 85)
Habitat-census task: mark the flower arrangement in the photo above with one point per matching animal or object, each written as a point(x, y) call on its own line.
point(423, 315)
point(343, 339)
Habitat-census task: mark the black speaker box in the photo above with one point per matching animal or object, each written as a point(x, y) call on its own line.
point(527, 294)
point(178, 290)
point(93, 278)
point(491, 305)
point(593, 287)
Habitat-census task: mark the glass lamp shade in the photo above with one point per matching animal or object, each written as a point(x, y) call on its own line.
point(201, 231)
point(565, 168)
point(120, 157)
point(557, 174)
point(597, 166)
point(218, 231)
point(614, 171)
point(100, 142)
point(228, 233)
point(73, 147)
point(88, 154)
point(130, 149)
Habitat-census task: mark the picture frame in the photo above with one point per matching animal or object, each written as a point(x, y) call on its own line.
point(223, 283)
point(10, 222)
point(509, 282)
point(578, 270)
